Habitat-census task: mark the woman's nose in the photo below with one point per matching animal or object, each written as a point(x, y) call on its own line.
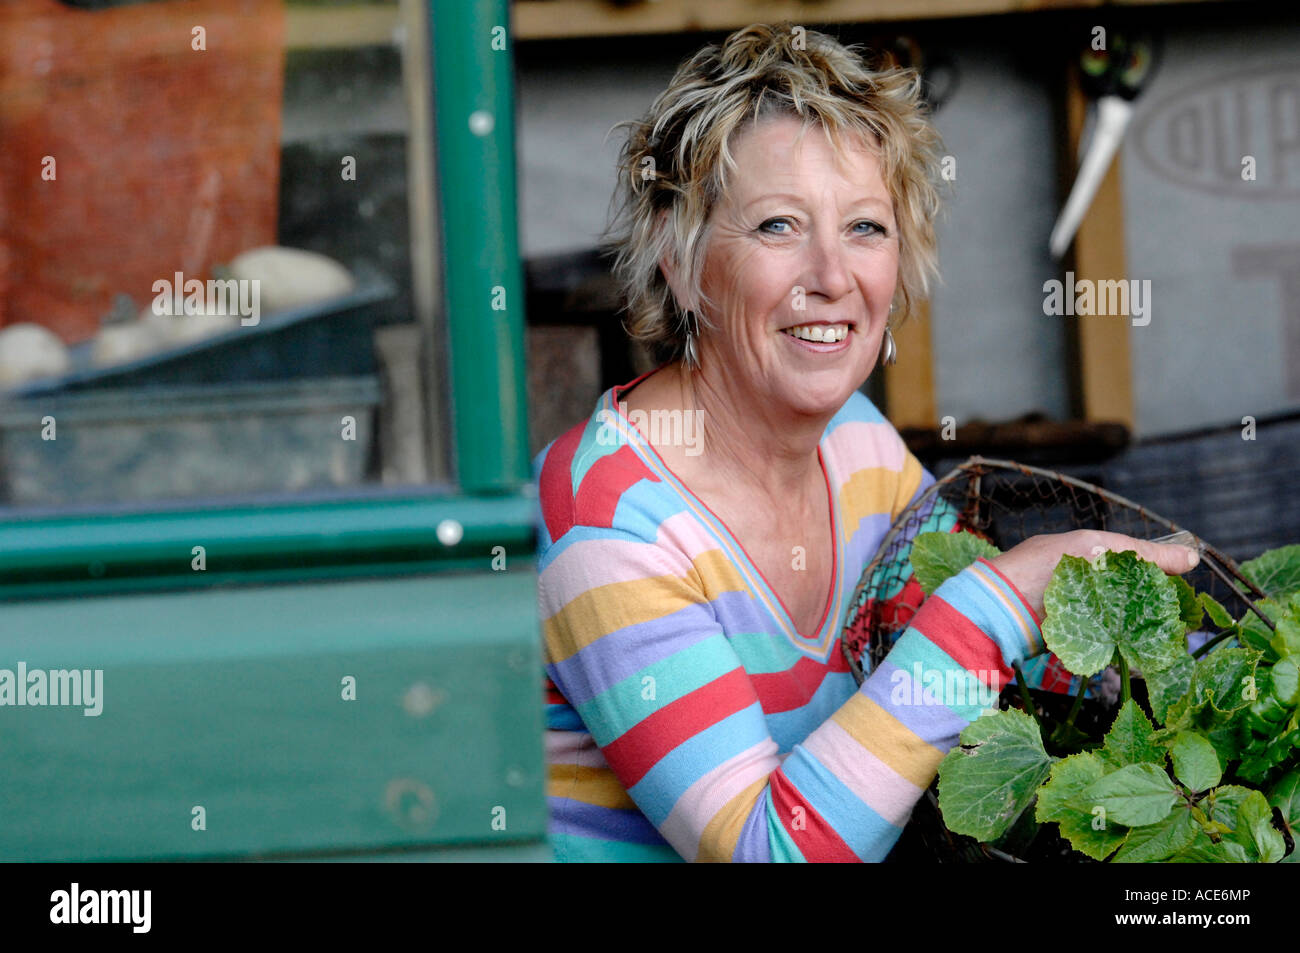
point(827, 267)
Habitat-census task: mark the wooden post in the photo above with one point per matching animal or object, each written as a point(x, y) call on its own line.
point(1103, 372)
point(426, 293)
point(909, 384)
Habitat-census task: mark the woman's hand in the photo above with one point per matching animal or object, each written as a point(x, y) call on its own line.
point(1029, 566)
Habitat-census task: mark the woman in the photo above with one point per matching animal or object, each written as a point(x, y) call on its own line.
point(703, 531)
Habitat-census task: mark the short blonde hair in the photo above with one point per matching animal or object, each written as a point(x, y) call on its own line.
point(676, 159)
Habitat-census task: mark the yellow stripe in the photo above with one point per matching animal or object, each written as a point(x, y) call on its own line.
point(889, 740)
point(598, 786)
point(996, 585)
point(718, 842)
point(875, 490)
point(909, 481)
point(605, 609)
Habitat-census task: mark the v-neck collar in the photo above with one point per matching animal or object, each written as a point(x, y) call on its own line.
point(820, 641)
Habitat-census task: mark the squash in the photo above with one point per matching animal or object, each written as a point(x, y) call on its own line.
point(290, 277)
point(125, 341)
point(28, 351)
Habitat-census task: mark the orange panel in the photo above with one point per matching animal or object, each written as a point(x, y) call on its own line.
point(166, 157)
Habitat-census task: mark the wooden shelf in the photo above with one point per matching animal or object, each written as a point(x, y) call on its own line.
point(312, 27)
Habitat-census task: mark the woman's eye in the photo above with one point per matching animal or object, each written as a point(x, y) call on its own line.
point(766, 226)
point(879, 229)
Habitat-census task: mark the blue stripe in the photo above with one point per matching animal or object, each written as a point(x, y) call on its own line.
point(851, 818)
point(676, 771)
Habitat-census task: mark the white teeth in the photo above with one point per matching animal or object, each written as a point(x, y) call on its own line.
point(821, 333)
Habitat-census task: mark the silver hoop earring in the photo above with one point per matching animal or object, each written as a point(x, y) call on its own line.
point(889, 352)
point(690, 353)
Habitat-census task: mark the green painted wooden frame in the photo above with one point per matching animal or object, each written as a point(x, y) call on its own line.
point(224, 656)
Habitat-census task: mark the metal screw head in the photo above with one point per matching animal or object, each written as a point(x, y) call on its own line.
point(450, 532)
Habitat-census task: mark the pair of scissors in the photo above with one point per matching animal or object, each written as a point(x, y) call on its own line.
point(1114, 76)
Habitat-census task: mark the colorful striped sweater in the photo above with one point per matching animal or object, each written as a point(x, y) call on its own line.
point(686, 717)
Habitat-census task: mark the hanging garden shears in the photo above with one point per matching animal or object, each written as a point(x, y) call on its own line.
point(1114, 76)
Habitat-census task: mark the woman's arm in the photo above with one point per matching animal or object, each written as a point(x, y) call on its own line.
point(633, 644)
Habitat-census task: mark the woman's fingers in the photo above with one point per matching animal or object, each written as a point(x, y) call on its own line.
point(1171, 557)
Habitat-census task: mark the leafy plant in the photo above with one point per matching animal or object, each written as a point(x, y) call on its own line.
point(1210, 771)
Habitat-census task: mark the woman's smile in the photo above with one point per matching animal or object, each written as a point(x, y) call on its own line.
point(821, 338)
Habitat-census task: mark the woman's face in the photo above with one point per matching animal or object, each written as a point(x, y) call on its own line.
point(801, 241)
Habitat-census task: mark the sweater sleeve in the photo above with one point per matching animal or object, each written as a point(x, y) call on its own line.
point(632, 642)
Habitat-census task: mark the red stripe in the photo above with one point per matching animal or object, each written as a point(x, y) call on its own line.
point(816, 840)
point(962, 639)
point(983, 561)
point(555, 483)
point(604, 484)
point(898, 610)
point(795, 687)
point(1056, 678)
point(633, 753)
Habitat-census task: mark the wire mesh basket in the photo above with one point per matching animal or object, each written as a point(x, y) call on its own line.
point(1005, 503)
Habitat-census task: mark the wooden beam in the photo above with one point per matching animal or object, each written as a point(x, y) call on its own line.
point(1100, 343)
point(313, 27)
point(322, 28)
point(909, 384)
point(556, 19)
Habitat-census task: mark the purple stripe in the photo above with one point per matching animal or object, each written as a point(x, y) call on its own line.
point(568, 816)
point(627, 651)
point(740, 612)
point(865, 539)
point(926, 721)
point(623, 653)
point(753, 846)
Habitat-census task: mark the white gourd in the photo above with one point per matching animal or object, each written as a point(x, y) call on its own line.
point(175, 330)
point(119, 343)
point(291, 277)
point(28, 351)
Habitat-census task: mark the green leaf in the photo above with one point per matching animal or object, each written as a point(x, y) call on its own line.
point(1203, 850)
point(1224, 680)
point(1277, 571)
point(1218, 615)
point(1130, 604)
point(991, 777)
point(1285, 795)
point(1260, 763)
point(1169, 685)
point(1068, 780)
point(1255, 831)
point(1285, 679)
point(1223, 803)
point(1227, 734)
point(1077, 624)
point(1135, 795)
point(1156, 842)
point(939, 556)
point(1129, 739)
point(1250, 817)
point(1190, 609)
point(1253, 633)
point(1196, 764)
point(1286, 638)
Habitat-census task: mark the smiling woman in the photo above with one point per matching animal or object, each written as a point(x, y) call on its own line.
point(779, 200)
